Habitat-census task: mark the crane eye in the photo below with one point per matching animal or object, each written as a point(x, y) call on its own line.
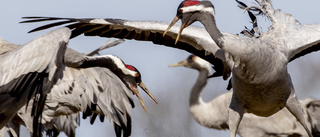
point(137, 74)
point(180, 10)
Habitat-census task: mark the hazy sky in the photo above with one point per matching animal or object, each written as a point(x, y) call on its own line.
point(171, 86)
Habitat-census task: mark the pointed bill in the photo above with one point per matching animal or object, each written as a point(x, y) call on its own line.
point(180, 31)
point(136, 91)
point(174, 21)
point(141, 85)
point(183, 25)
point(181, 63)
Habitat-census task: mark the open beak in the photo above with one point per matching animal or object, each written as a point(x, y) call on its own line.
point(136, 91)
point(181, 63)
point(141, 85)
point(174, 21)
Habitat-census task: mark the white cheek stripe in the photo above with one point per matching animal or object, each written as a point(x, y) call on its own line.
point(203, 63)
point(195, 8)
point(120, 65)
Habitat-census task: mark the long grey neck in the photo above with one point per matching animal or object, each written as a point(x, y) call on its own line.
point(198, 87)
point(75, 59)
point(209, 23)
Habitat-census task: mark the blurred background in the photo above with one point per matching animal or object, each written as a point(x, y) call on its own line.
point(171, 86)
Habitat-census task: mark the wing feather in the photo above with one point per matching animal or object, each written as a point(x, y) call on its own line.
point(298, 39)
point(31, 70)
point(94, 90)
point(302, 39)
point(65, 123)
point(195, 40)
point(116, 100)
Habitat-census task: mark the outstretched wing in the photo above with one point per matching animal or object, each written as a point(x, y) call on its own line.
point(91, 90)
point(115, 101)
point(302, 40)
point(195, 40)
point(293, 38)
point(31, 70)
point(298, 39)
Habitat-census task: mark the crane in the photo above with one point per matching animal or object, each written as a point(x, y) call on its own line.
point(78, 92)
point(294, 46)
point(214, 114)
point(31, 71)
point(90, 90)
point(261, 83)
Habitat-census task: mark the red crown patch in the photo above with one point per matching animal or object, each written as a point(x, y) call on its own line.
point(190, 3)
point(130, 67)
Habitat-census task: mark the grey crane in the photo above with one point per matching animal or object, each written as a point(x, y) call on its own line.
point(214, 114)
point(78, 92)
point(89, 90)
point(127, 73)
point(196, 41)
point(261, 83)
point(31, 71)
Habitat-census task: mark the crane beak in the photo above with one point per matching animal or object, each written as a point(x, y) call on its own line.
point(178, 64)
point(136, 91)
point(174, 21)
point(141, 85)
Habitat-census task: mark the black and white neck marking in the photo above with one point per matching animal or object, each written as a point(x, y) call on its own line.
point(111, 62)
point(121, 65)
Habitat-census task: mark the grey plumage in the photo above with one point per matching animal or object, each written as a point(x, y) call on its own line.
point(194, 39)
point(30, 71)
point(94, 90)
point(214, 114)
point(65, 123)
point(275, 49)
point(261, 83)
point(78, 92)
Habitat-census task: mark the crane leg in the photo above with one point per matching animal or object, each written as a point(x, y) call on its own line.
point(236, 112)
point(294, 106)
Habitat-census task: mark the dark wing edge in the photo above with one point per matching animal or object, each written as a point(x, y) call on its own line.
point(312, 47)
point(117, 29)
point(39, 103)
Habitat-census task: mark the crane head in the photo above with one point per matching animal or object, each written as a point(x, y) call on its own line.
point(129, 75)
point(189, 12)
point(134, 81)
point(194, 62)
